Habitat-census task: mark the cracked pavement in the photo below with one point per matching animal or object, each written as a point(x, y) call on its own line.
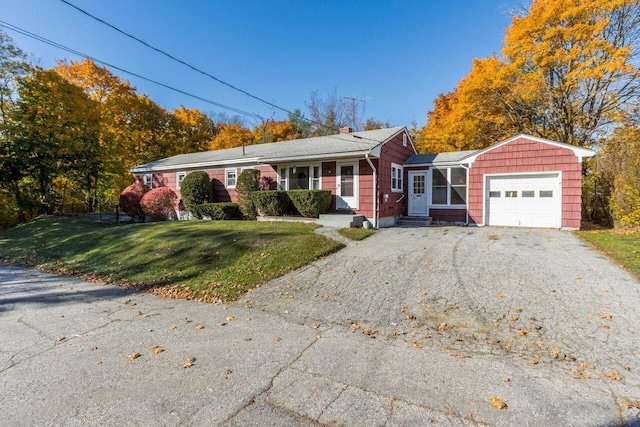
point(412, 326)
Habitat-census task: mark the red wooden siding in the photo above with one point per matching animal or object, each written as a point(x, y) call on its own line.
point(392, 152)
point(328, 180)
point(521, 156)
point(365, 189)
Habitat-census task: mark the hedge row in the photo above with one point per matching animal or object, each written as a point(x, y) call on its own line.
point(311, 203)
point(271, 203)
point(217, 211)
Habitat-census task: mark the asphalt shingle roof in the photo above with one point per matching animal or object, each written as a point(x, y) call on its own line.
point(450, 157)
point(319, 147)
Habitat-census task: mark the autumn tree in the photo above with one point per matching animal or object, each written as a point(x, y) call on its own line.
point(328, 114)
point(569, 70)
point(231, 136)
point(52, 131)
point(275, 132)
point(193, 131)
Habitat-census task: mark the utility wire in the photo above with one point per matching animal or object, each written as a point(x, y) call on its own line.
point(198, 70)
point(75, 52)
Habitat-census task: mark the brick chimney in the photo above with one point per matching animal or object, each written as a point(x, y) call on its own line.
point(346, 129)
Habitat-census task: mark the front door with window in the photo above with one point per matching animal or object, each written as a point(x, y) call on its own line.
point(418, 202)
point(347, 186)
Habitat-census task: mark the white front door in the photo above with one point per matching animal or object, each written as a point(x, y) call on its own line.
point(418, 193)
point(347, 185)
point(524, 200)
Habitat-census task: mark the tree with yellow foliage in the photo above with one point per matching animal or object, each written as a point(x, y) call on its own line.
point(232, 135)
point(275, 132)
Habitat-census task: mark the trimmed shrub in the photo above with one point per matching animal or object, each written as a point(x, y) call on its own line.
point(130, 201)
point(196, 189)
point(219, 211)
point(160, 203)
point(311, 203)
point(271, 203)
point(248, 182)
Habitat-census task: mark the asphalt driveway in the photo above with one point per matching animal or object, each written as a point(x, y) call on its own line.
point(408, 327)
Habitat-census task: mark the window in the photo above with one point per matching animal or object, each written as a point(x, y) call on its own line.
point(404, 139)
point(179, 178)
point(148, 180)
point(528, 194)
point(546, 193)
point(494, 194)
point(449, 186)
point(300, 178)
point(511, 194)
point(397, 174)
point(230, 178)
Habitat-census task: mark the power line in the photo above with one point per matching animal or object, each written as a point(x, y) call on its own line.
point(198, 70)
point(75, 52)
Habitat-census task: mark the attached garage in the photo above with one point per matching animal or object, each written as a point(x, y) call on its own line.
point(524, 200)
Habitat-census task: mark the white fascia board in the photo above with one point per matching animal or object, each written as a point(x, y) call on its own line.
point(436, 165)
point(579, 152)
point(254, 160)
point(326, 157)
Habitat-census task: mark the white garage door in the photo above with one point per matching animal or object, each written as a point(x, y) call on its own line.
point(524, 201)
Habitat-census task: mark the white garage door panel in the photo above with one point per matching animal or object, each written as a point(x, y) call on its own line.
point(524, 201)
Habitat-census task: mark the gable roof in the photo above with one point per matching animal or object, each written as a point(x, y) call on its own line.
point(322, 147)
point(469, 156)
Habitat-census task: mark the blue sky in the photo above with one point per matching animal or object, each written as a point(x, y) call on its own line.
point(399, 55)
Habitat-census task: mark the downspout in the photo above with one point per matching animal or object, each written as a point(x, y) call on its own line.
point(375, 191)
point(467, 195)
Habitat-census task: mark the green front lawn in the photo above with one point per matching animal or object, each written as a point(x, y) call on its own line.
point(621, 246)
point(356, 233)
point(203, 260)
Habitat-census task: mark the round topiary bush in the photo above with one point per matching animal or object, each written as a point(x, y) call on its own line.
point(196, 189)
point(248, 182)
point(160, 203)
point(130, 201)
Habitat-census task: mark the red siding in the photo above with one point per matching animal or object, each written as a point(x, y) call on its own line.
point(365, 189)
point(328, 180)
point(521, 156)
point(392, 152)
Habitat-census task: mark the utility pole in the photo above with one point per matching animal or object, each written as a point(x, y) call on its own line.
point(354, 124)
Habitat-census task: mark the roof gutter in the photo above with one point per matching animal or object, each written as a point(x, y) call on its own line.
point(375, 190)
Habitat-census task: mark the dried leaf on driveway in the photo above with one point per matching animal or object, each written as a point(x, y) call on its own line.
point(498, 403)
point(157, 349)
point(500, 295)
point(189, 362)
point(199, 327)
point(416, 344)
point(615, 376)
point(230, 318)
point(606, 316)
point(134, 356)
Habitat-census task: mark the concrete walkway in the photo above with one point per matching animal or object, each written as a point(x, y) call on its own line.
point(408, 327)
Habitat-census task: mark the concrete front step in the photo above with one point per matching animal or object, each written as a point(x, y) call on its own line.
point(415, 221)
point(341, 220)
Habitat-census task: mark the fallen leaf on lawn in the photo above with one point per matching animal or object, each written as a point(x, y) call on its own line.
point(606, 316)
point(230, 318)
point(189, 362)
point(498, 403)
point(172, 327)
point(615, 376)
point(276, 339)
point(576, 373)
point(134, 356)
point(500, 295)
point(416, 344)
point(199, 327)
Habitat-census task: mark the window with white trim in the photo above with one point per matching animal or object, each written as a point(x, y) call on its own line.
point(397, 174)
point(449, 186)
point(148, 180)
point(230, 176)
point(179, 178)
point(303, 177)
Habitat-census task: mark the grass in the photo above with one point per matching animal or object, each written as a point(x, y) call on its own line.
point(621, 246)
point(203, 260)
point(356, 233)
